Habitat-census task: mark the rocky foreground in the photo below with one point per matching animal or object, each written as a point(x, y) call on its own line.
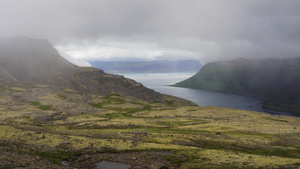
point(40, 126)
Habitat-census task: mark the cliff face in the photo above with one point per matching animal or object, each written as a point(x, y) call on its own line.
point(31, 61)
point(276, 81)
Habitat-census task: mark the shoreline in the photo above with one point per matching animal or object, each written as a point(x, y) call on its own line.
point(279, 110)
point(268, 107)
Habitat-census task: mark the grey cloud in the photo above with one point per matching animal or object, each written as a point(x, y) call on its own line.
point(211, 29)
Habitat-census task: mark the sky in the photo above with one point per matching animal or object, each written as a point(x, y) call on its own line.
point(206, 30)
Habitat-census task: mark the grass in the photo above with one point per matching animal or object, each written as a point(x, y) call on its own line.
point(93, 125)
point(279, 120)
point(38, 105)
point(62, 96)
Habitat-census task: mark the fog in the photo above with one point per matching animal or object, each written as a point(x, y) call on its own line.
point(206, 30)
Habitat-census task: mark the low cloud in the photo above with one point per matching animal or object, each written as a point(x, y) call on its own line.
point(208, 30)
point(105, 50)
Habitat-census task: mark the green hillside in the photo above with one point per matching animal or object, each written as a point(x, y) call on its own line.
point(276, 81)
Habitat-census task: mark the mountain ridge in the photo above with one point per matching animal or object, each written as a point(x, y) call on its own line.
point(157, 66)
point(29, 61)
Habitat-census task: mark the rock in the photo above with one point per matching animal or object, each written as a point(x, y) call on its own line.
point(163, 167)
point(83, 158)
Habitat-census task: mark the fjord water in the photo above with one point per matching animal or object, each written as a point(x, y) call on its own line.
point(161, 82)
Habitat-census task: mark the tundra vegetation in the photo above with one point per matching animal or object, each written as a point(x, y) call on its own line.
point(40, 126)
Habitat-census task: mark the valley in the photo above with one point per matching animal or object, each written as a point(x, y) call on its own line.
point(149, 84)
point(56, 115)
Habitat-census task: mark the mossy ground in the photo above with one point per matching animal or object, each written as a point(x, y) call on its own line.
point(45, 125)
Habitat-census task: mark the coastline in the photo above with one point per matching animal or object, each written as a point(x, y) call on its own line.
point(282, 109)
point(270, 108)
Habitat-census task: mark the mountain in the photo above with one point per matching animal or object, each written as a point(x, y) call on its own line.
point(276, 81)
point(26, 61)
point(158, 66)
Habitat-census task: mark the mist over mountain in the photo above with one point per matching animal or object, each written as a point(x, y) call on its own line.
point(33, 61)
point(158, 66)
point(276, 81)
point(75, 61)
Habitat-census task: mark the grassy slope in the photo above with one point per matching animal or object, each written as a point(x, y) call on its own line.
point(40, 126)
point(277, 82)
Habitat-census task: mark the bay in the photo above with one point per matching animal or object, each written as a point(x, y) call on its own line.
point(161, 82)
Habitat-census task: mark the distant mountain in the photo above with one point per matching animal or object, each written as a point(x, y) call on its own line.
point(158, 66)
point(33, 61)
point(276, 81)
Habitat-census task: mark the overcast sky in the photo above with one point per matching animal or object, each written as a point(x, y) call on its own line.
point(207, 30)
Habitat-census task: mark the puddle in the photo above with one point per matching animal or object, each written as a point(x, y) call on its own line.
point(111, 165)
